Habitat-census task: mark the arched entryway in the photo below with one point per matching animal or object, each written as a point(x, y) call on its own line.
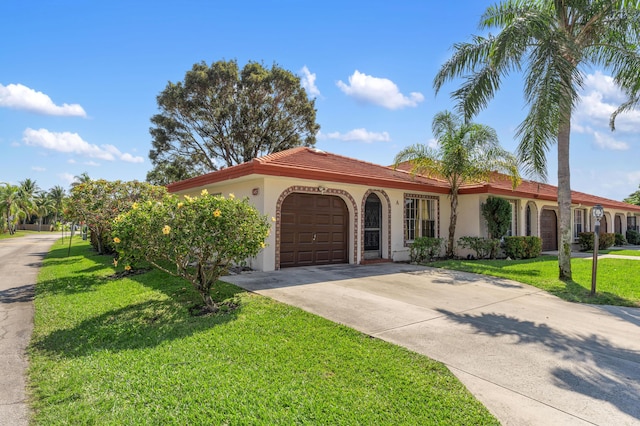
point(372, 227)
point(618, 224)
point(314, 230)
point(603, 225)
point(549, 230)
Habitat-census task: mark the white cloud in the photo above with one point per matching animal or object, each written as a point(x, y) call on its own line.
point(379, 91)
point(599, 99)
point(17, 96)
point(38, 169)
point(91, 163)
point(71, 161)
point(432, 143)
point(360, 135)
point(72, 143)
point(68, 178)
point(308, 81)
point(605, 141)
point(633, 177)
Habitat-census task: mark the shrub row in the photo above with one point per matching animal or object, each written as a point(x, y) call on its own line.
point(585, 239)
point(425, 249)
point(483, 247)
point(522, 247)
point(633, 237)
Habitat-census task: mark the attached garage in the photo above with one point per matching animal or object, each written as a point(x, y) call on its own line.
point(314, 230)
point(549, 230)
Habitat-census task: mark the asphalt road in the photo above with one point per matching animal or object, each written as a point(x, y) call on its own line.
point(20, 259)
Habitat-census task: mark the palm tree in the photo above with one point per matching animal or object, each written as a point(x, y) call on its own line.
point(43, 206)
point(28, 189)
point(552, 41)
point(57, 194)
point(9, 208)
point(467, 152)
point(82, 178)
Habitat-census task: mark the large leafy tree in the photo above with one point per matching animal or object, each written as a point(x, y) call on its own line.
point(551, 42)
point(467, 152)
point(98, 202)
point(222, 116)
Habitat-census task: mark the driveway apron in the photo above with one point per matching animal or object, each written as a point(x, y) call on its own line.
point(20, 259)
point(531, 358)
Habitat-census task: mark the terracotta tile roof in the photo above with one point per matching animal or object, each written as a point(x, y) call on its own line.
point(500, 184)
point(310, 163)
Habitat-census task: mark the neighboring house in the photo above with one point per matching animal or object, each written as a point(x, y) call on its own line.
point(333, 209)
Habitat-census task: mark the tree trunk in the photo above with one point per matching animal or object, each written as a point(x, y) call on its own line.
point(452, 221)
point(564, 200)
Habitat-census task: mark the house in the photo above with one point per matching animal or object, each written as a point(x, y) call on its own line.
point(334, 209)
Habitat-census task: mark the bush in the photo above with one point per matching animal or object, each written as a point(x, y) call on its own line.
point(483, 247)
point(633, 237)
point(200, 237)
point(497, 212)
point(585, 239)
point(425, 249)
point(620, 240)
point(522, 247)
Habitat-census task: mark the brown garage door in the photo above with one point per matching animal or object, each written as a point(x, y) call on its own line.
point(549, 230)
point(313, 230)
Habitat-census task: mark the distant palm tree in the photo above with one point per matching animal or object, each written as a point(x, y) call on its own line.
point(466, 152)
point(27, 192)
point(82, 178)
point(57, 195)
point(43, 206)
point(552, 42)
point(9, 206)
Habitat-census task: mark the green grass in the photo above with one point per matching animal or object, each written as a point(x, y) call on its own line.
point(618, 280)
point(17, 234)
point(126, 352)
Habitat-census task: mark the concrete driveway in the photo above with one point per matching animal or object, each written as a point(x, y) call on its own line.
point(530, 357)
point(20, 259)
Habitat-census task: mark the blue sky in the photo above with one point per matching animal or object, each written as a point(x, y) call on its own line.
point(79, 80)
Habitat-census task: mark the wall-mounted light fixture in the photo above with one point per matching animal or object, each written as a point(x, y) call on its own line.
point(255, 191)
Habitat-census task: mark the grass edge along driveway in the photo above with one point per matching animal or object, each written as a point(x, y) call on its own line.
point(618, 280)
point(127, 351)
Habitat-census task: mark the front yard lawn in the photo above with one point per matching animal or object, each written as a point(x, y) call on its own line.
point(618, 280)
point(127, 351)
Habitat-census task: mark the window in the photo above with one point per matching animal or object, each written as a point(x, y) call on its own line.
point(578, 222)
point(420, 218)
point(631, 223)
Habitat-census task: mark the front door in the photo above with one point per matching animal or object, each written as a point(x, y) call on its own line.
point(372, 227)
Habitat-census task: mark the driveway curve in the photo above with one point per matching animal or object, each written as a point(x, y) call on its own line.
point(20, 259)
point(531, 358)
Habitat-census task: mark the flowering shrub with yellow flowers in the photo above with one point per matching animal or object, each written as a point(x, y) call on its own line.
point(200, 237)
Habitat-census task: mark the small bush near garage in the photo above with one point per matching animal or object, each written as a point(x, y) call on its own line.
point(620, 240)
point(585, 240)
point(425, 249)
point(482, 247)
point(633, 237)
point(522, 247)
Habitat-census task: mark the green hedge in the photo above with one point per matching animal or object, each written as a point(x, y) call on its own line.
point(633, 237)
point(483, 247)
point(585, 239)
point(425, 249)
point(620, 240)
point(522, 247)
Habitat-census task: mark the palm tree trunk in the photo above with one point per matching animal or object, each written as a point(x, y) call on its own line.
point(452, 221)
point(564, 200)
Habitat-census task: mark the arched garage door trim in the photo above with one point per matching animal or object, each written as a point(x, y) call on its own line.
point(351, 207)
